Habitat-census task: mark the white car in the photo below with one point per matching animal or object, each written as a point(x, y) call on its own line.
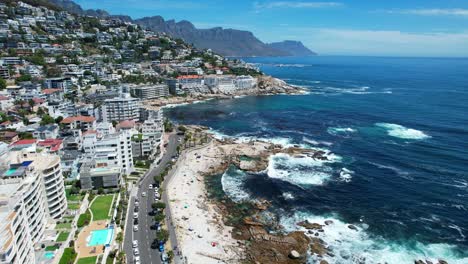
point(135, 228)
point(136, 260)
point(143, 194)
point(150, 186)
point(136, 252)
point(135, 215)
point(135, 243)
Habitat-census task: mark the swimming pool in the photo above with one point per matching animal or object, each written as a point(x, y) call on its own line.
point(101, 237)
point(49, 255)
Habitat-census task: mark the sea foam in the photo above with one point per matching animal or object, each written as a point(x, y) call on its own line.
point(402, 132)
point(341, 131)
point(358, 246)
point(232, 182)
point(301, 171)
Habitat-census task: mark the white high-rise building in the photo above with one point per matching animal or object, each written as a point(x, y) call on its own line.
point(31, 192)
point(120, 109)
point(110, 150)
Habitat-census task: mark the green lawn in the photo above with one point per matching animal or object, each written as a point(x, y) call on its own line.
point(63, 226)
point(69, 256)
point(88, 260)
point(73, 206)
point(62, 236)
point(84, 219)
point(101, 207)
point(73, 197)
point(51, 248)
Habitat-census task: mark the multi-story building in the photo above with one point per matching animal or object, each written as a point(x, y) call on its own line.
point(4, 72)
point(120, 109)
point(48, 167)
point(150, 91)
point(46, 132)
point(152, 131)
point(79, 122)
point(16, 244)
point(22, 212)
point(220, 83)
point(245, 82)
point(108, 151)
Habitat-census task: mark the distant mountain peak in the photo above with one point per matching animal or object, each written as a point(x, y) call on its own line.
point(294, 47)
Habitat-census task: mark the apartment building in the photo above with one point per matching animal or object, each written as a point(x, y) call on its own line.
point(79, 122)
point(48, 167)
point(120, 109)
point(150, 91)
point(22, 212)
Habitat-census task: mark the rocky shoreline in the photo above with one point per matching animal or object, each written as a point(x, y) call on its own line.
point(258, 232)
point(267, 85)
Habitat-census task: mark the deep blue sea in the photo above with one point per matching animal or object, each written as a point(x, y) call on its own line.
point(396, 134)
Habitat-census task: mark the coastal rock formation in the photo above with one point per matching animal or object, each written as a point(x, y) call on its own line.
point(309, 225)
point(271, 85)
point(294, 254)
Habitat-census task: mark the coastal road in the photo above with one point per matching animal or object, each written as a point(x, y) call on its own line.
point(145, 235)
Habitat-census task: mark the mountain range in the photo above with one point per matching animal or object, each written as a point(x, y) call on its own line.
point(227, 42)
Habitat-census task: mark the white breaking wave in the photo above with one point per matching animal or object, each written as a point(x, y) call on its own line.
point(340, 130)
point(288, 196)
point(315, 142)
point(357, 246)
point(346, 175)
point(302, 170)
point(232, 181)
point(402, 132)
point(282, 141)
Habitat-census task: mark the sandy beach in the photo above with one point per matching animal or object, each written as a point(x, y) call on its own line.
point(201, 233)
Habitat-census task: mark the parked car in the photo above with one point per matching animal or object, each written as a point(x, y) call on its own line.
point(136, 260)
point(155, 244)
point(150, 186)
point(136, 252)
point(164, 257)
point(135, 228)
point(143, 194)
point(135, 215)
point(135, 243)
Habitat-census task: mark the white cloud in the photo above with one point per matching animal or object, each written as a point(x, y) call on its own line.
point(382, 42)
point(432, 12)
point(287, 4)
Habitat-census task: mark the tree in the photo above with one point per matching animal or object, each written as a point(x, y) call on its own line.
point(58, 119)
point(46, 120)
point(162, 235)
point(158, 205)
point(3, 84)
point(31, 103)
point(158, 218)
point(24, 78)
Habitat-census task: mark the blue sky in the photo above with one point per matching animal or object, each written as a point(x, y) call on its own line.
point(347, 27)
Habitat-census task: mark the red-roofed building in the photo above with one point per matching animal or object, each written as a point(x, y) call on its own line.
point(29, 144)
point(125, 125)
point(79, 122)
point(53, 145)
point(55, 94)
